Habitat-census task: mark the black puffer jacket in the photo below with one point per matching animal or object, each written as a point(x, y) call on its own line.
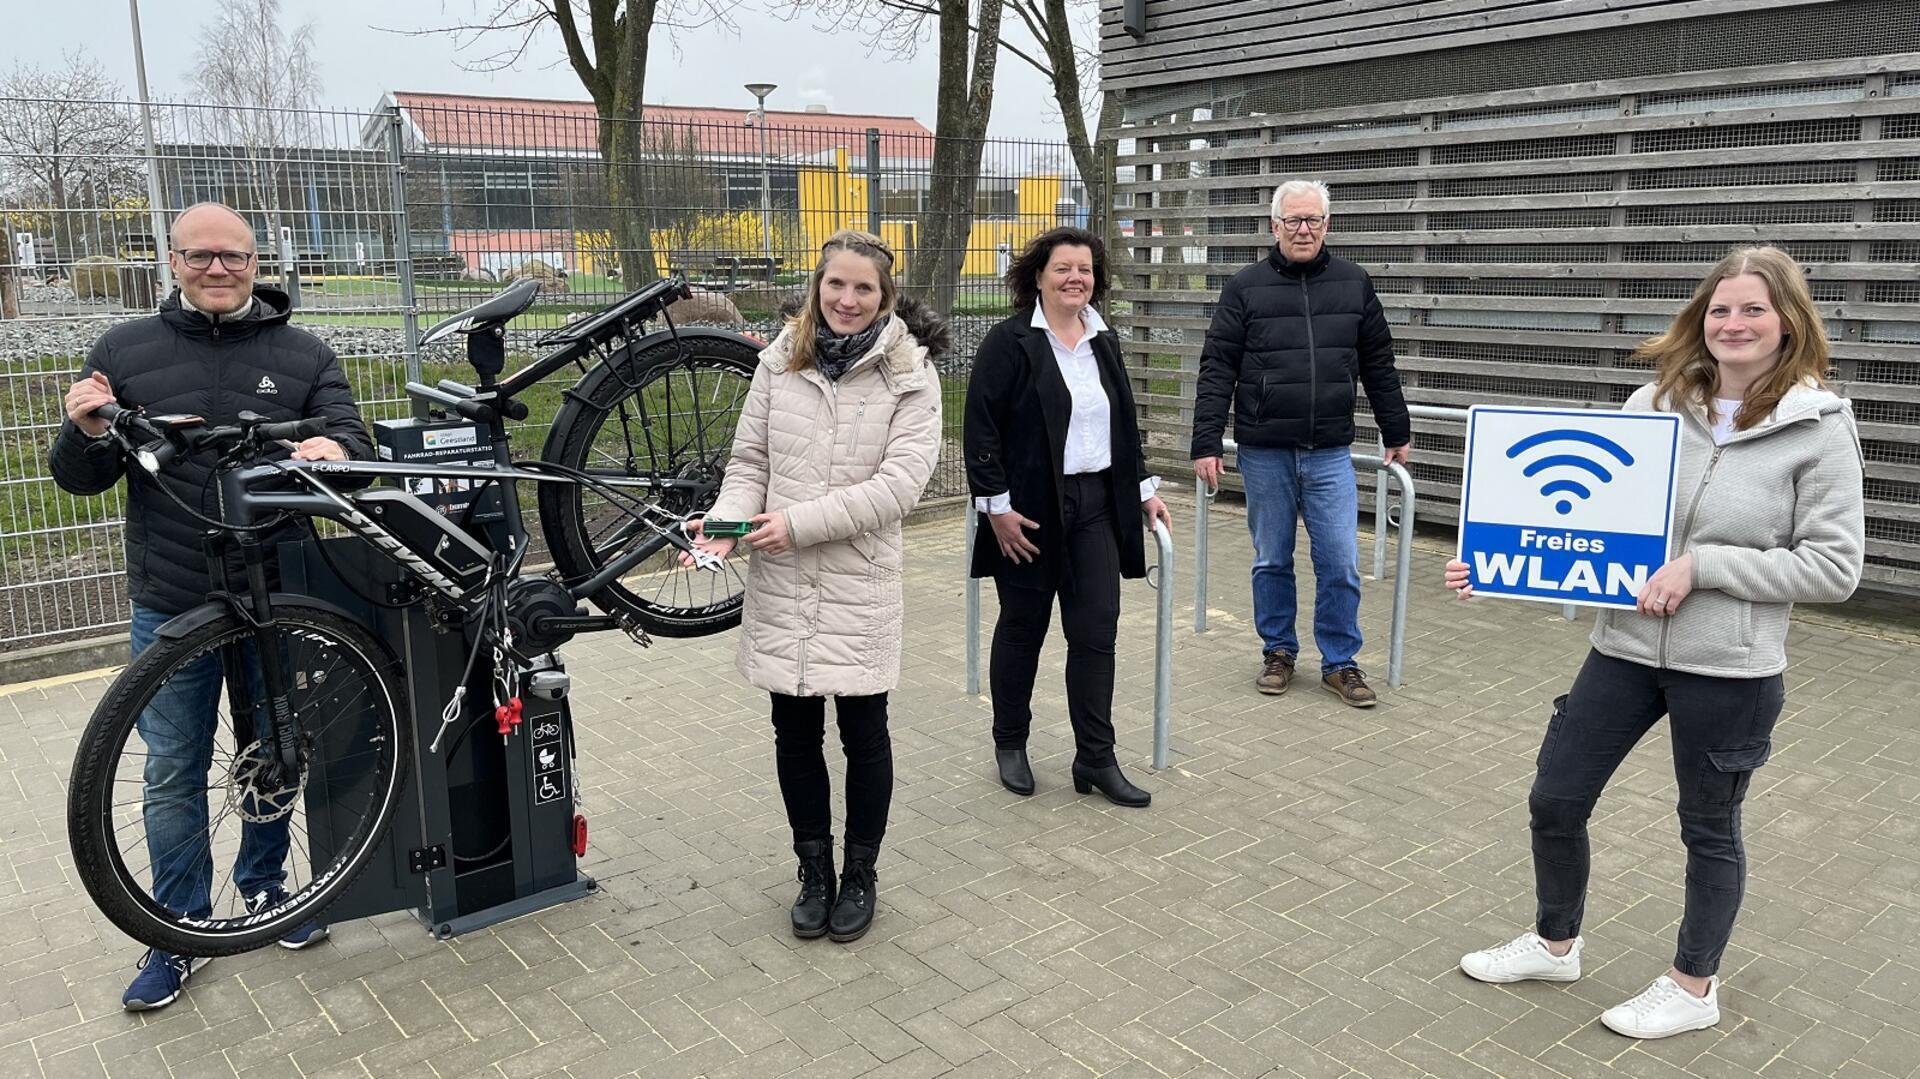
point(1287, 342)
point(182, 361)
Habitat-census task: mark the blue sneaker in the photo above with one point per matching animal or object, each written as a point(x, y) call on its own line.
point(162, 976)
point(272, 896)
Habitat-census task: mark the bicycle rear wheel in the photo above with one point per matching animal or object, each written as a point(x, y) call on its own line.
point(179, 874)
point(663, 416)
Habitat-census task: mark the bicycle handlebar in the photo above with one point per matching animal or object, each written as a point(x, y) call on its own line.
point(154, 445)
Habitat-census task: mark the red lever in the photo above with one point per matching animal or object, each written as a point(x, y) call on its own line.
point(579, 835)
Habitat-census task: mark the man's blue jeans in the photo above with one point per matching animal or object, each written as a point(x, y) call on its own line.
point(1284, 485)
point(178, 729)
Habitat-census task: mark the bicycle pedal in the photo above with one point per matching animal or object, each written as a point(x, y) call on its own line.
point(636, 633)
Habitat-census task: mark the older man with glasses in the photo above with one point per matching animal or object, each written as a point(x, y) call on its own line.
point(1290, 336)
point(218, 346)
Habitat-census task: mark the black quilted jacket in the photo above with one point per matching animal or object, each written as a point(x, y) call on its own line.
point(1287, 342)
point(181, 361)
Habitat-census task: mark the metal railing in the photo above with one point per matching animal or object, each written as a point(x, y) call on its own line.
point(1383, 512)
point(1162, 583)
point(1396, 639)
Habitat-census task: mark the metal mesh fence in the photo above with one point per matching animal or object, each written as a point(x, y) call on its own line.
point(385, 221)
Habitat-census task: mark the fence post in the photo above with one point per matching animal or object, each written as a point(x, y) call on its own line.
point(973, 607)
point(1202, 502)
point(403, 253)
point(873, 180)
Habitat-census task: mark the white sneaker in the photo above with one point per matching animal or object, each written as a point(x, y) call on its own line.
point(1523, 958)
point(1665, 1009)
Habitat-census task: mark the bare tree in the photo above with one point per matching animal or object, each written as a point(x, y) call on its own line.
point(968, 44)
point(65, 164)
point(1071, 67)
point(263, 77)
point(606, 44)
point(685, 192)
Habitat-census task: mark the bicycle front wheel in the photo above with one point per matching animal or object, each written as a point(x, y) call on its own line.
point(660, 421)
point(186, 831)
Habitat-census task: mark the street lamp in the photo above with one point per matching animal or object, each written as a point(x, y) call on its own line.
point(155, 221)
point(760, 90)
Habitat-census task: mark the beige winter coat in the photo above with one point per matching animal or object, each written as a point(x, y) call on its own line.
point(845, 462)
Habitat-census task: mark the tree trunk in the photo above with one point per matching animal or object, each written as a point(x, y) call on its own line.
point(1066, 92)
point(616, 77)
point(965, 104)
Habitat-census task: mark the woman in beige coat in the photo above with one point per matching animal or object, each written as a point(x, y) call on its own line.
point(836, 441)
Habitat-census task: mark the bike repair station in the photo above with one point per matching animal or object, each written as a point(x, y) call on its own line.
point(494, 832)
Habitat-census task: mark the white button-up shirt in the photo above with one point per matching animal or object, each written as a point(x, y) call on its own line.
point(1089, 429)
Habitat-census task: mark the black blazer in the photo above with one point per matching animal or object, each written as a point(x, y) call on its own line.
point(1018, 408)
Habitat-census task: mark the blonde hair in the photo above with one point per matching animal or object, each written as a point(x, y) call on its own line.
point(860, 243)
point(1689, 375)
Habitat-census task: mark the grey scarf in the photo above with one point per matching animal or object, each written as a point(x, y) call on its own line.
point(836, 352)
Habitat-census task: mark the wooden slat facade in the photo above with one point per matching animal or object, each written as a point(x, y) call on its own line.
point(1193, 39)
point(1524, 241)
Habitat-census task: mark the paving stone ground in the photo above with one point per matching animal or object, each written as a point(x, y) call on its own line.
point(1292, 904)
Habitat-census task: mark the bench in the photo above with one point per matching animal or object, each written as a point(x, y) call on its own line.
point(725, 273)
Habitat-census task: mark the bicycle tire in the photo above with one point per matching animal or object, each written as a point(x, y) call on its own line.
point(620, 390)
point(323, 647)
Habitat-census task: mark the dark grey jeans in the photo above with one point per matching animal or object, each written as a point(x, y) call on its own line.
point(1721, 730)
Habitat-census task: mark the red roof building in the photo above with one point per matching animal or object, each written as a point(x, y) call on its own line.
point(513, 125)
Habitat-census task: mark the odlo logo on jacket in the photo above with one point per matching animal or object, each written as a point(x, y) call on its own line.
point(266, 386)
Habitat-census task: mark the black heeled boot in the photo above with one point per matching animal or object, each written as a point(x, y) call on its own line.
point(1112, 782)
point(853, 910)
point(812, 908)
point(1015, 773)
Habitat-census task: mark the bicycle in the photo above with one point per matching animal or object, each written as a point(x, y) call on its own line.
point(316, 704)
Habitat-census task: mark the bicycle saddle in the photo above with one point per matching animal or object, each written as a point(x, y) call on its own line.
point(495, 312)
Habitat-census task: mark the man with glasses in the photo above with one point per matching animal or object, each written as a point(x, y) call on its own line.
point(1289, 337)
point(218, 346)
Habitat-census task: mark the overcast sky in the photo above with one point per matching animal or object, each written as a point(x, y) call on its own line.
point(358, 61)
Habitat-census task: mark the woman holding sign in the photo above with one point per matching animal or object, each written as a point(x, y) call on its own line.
point(836, 440)
point(1768, 513)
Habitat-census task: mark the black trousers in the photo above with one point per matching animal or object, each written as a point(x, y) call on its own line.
point(1089, 594)
point(1722, 730)
point(799, 757)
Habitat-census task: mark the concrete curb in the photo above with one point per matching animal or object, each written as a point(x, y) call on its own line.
point(60, 660)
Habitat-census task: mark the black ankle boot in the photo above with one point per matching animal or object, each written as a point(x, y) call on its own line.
point(810, 910)
point(1110, 781)
point(1015, 773)
point(853, 911)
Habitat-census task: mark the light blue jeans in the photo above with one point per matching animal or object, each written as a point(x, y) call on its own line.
point(178, 729)
point(1283, 486)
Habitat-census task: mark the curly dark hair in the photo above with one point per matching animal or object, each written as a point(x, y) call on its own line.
point(1023, 276)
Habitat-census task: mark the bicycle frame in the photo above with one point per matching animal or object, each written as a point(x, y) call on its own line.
point(244, 505)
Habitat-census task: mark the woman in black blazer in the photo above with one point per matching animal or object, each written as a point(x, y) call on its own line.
point(1055, 465)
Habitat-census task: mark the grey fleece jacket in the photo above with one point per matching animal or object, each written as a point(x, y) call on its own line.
point(1773, 517)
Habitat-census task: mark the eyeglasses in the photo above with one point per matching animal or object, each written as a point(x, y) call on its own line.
point(1311, 224)
point(198, 259)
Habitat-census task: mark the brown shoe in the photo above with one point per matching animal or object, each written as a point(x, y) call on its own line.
point(1351, 686)
point(1275, 672)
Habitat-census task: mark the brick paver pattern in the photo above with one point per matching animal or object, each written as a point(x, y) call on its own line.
point(1293, 904)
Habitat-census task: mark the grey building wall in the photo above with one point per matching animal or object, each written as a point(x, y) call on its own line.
point(1527, 235)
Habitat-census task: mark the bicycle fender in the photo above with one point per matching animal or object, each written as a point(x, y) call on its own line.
point(192, 619)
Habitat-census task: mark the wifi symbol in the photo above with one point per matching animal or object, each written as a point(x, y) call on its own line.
point(1569, 487)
